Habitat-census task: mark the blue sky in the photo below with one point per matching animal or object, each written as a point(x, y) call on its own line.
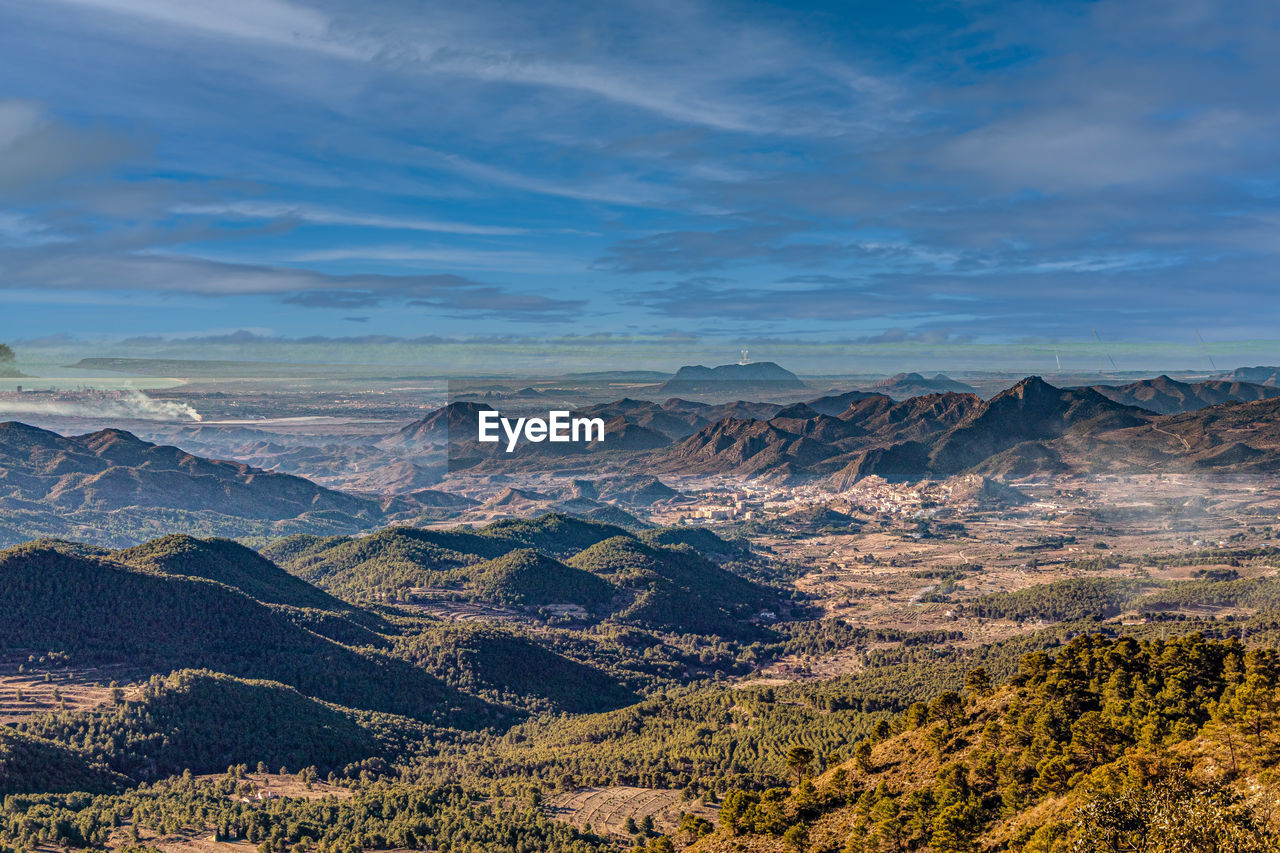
point(952, 175)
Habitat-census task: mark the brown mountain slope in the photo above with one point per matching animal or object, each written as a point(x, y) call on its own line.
point(113, 488)
point(1033, 410)
point(1232, 439)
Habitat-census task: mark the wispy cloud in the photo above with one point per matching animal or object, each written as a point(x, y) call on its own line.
point(176, 274)
point(704, 89)
point(443, 256)
point(273, 22)
point(322, 216)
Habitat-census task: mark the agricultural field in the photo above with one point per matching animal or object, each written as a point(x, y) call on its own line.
point(607, 810)
point(28, 686)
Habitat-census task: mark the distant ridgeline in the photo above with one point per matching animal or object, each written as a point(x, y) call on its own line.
point(111, 488)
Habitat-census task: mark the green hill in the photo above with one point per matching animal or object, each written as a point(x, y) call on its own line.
point(526, 577)
point(501, 666)
point(674, 588)
point(384, 563)
point(234, 565)
point(555, 534)
point(519, 562)
point(205, 722)
point(229, 563)
point(699, 538)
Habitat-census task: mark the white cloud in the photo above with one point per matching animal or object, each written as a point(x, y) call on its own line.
point(445, 257)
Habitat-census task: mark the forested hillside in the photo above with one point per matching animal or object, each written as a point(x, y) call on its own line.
point(205, 722)
point(1105, 745)
point(653, 579)
point(98, 610)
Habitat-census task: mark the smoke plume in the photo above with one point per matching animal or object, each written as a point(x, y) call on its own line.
point(128, 405)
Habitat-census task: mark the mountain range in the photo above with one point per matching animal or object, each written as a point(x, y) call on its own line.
point(110, 487)
point(1167, 396)
point(1030, 428)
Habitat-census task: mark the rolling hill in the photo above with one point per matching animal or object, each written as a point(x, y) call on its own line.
point(1166, 396)
point(526, 577)
point(99, 610)
point(228, 563)
point(30, 764)
point(653, 580)
point(205, 722)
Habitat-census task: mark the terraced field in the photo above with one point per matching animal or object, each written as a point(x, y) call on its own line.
point(30, 689)
point(607, 809)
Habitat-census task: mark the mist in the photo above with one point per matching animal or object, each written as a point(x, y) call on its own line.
point(130, 405)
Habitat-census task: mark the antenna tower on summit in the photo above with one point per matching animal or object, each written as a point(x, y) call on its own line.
point(745, 357)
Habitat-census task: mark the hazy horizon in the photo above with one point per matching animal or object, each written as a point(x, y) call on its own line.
point(530, 356)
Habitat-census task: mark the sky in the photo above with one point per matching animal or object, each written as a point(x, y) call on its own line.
point(934, 182)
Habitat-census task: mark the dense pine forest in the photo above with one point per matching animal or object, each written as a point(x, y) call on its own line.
point(1107, 745)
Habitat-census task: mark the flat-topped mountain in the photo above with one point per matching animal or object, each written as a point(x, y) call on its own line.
point(1261, 375)
point(760, 375)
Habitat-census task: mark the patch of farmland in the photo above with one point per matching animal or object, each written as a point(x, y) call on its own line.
point(607, 809)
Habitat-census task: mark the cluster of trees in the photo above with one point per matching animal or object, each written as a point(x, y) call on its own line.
point(1066, 600)
point(377, 816)
point(29, 763)
point(823, 637)
point(1251, 593)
